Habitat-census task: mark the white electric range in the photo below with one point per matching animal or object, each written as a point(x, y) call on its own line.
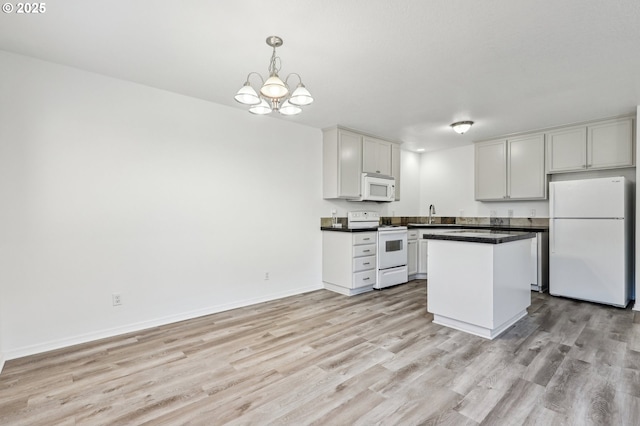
point(391, 248)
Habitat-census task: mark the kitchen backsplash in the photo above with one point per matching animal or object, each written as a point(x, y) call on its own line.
point(497, 221)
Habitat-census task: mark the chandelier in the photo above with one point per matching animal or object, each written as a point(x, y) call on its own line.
point(275, 94)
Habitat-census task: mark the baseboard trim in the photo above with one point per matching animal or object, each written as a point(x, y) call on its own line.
point(143, 325)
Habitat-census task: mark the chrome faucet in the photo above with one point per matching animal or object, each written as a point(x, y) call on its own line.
point(432, 211)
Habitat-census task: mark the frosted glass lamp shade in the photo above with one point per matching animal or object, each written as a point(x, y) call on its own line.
point(274, 88)
point(301, 96)
point(247, 95)
point(461, 126)
point(288, 108)
point(261, 109)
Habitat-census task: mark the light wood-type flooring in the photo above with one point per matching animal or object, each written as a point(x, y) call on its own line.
point(326, 359)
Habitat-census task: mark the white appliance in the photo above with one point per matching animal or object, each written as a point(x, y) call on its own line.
point(376, 187)
point(392, 256)
point(591, 235)
point(362, 220)
point(392, 251)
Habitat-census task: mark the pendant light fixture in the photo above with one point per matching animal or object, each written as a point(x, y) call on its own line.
point(461, 127)
point(274, 94)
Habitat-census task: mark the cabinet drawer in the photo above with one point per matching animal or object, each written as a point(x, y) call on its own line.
point(412, 234)
point(364, 263)
point(365, 238)
point(364, 278)
point(365, 250)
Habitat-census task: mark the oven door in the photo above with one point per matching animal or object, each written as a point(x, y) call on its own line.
point(392, 248)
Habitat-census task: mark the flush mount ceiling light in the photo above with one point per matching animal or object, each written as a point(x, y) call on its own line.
point(461, 126)
point(274, 94)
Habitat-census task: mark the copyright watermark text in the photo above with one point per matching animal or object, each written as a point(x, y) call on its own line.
point(24, 8)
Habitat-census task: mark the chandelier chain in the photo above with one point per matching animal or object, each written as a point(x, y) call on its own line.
point(273, 67)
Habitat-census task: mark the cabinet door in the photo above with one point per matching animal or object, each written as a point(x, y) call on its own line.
point(395, 167)
point(422, 255)
point(525, 168)
point(610, 144)
point(567, 149)
point(349, 164)
point(412, 257)
point(491, 170)
point(376, 156)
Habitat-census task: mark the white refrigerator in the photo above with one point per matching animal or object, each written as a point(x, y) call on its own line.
point(590, 240)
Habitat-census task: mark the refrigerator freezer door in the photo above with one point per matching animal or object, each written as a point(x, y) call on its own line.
point(589, 198)
point(587, 260)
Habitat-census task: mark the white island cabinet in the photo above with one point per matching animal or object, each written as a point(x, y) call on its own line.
point(479, 281)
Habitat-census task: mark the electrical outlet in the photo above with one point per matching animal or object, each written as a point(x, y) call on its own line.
point(116, 299)
point(533, 212)
point(461, 213)
point(510, 212)
point(266, 276)
point(493, 213)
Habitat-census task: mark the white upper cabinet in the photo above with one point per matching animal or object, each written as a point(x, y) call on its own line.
point(395, 167)
point(610, 144)
point(510, 169)
point(491, 170)
point(602, 145)
point(376, 156)
point(342, 164)
point(347, 154)
point(567, 149)
point(526, 178)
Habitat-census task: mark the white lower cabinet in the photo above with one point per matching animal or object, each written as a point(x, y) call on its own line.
point(349, 261)
point(412, 253)
point(422, 256)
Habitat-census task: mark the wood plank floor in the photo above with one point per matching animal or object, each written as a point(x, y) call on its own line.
point(325, 359)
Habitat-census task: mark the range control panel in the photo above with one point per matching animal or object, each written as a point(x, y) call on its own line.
point(362, 219)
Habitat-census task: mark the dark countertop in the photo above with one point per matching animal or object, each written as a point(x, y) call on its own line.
point(521, 228)
point(452, 226)
point(485, 236)
point(328, 228)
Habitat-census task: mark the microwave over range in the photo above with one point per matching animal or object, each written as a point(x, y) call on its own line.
point(377, 187)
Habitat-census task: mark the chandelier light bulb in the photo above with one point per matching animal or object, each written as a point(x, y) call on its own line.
point(301, 96)
point(261, 109)
point(274, 88)
point(247, 95)
point(289, 108)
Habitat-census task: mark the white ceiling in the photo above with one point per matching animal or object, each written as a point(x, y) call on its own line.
point(400, 69)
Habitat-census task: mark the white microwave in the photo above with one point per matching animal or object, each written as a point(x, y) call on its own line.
point(376, 187)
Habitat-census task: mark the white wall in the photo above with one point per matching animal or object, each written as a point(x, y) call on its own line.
point(447, 182)
point(179, 205)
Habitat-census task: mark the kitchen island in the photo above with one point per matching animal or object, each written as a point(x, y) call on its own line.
point(479, 279)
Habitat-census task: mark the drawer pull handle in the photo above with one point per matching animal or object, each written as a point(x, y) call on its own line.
point(368, 263)
point(365, 279)
point(366, 251)
point(366, 239)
